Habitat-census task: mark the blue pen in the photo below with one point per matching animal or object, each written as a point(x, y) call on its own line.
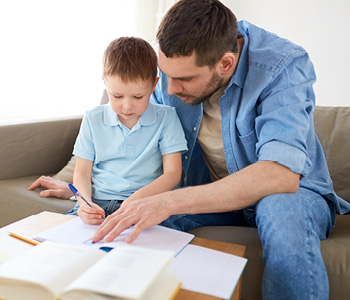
point(77, 194)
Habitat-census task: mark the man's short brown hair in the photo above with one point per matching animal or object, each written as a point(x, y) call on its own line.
point(204, 27)
point(130, 58)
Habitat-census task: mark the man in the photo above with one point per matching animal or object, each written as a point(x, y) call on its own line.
point(254, 158)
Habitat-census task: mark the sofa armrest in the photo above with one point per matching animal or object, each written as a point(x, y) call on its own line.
point(332, 125)
point(36, 148)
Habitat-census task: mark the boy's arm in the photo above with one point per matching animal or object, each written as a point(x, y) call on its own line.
point(172, 171)
point(82, 181)
point(82, 178)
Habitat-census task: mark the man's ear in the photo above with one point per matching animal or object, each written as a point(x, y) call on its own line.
point(227, 62)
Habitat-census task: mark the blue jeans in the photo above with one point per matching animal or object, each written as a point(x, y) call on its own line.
point(109, 206)
point(290, 227)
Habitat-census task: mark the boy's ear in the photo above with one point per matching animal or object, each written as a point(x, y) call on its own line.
point(155, 83)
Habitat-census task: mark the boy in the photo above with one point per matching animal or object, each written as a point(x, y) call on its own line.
point(128, 148)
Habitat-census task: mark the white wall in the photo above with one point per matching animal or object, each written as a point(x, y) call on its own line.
point(51, 51)
point(322, 27)
point(51, 54)
point(150, 13)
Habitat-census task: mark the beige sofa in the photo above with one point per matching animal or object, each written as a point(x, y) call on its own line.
point(30, 150)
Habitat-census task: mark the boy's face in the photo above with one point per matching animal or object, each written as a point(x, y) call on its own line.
point(129, 100)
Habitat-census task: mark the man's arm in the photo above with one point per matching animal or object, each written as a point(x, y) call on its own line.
point(236, 191)
point(55, 187)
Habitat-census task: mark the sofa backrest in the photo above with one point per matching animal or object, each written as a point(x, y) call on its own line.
point(332, 125)
point(36, 148)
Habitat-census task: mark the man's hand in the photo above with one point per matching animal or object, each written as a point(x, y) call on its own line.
point(142, 213)
point(55, 187)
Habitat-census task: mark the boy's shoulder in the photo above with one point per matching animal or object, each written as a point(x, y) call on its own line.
point(163, 112)
point(96, 114)
point(162, 107)
point(96, 110)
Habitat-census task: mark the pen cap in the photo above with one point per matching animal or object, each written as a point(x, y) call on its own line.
point(72, 188)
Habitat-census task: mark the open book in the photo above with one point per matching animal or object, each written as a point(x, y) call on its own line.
point(58, 271)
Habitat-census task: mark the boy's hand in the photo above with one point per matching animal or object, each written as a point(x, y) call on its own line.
point(93, 216)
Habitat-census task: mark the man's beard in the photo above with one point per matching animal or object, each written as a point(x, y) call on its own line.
point(212, 87)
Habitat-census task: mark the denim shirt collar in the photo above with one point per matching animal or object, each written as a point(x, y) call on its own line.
point(146, 119)
point(240, 74)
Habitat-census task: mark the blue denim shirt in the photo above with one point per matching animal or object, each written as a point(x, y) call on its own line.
point(267, 114)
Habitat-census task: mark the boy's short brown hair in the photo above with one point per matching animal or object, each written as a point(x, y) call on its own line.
point(130, 58)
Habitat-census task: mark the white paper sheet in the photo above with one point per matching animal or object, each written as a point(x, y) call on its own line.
point(208, 271)
point(77, 232)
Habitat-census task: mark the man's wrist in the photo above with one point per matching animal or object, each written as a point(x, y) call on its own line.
point(174, 202)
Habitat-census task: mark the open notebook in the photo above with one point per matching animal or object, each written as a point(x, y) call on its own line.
point(76, 232)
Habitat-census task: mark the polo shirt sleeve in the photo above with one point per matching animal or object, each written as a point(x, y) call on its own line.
point(172, 137)
point(285, 117)
point(84, 146)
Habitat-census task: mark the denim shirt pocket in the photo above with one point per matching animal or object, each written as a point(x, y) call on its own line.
point(248, 142)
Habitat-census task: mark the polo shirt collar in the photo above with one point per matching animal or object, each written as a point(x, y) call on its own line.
point(149, 116)
point(146, 119)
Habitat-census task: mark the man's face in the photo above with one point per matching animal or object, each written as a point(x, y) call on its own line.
point(192, 84)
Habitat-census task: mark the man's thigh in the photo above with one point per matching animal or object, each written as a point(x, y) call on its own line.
point(189, 222)
point(290, 228)
point(295, 212)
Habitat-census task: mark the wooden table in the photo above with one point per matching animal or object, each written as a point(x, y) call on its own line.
point(34, 224)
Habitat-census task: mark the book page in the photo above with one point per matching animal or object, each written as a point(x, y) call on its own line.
point(50, 264)
point(165, 287)
point(208, 271)
point(4, 256)
point(126, 272)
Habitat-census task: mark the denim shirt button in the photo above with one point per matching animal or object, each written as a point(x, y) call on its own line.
point(195, 128)
point(186, 157)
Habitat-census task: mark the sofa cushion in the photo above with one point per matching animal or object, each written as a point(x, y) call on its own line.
point(66, 174)
point(332, 125)
point(18, 202)
point(336, 254)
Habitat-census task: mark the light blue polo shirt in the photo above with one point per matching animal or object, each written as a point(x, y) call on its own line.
point(126, 160)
